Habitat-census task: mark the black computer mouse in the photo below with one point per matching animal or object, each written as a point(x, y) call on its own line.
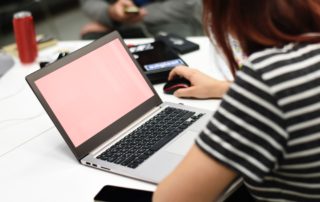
point(176, 83)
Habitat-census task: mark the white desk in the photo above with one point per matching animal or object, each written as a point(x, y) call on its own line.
point(35, 162)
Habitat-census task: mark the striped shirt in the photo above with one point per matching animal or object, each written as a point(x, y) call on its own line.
point(268, 125)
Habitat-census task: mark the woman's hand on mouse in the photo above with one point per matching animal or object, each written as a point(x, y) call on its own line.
point(202, 85)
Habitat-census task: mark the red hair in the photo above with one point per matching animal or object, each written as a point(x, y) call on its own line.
point(259, 24)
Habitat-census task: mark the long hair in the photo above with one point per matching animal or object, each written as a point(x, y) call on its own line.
point(259, 24)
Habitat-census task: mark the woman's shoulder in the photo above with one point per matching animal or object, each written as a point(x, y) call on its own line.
point(277, 57)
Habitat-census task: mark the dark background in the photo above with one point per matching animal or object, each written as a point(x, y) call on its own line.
point(40, 9)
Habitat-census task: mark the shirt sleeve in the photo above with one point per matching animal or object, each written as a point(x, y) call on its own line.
point(247, 132)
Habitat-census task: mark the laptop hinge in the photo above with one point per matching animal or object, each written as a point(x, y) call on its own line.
point(127, 130)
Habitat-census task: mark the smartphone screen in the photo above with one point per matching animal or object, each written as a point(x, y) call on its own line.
point(121, 194)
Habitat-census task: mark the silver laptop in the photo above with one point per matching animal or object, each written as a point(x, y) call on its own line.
point(109, 114)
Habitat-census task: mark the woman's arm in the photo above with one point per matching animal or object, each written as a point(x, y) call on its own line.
point(202, 85)
point(197, 178)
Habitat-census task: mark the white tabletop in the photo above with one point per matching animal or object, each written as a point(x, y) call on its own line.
point(36, 164)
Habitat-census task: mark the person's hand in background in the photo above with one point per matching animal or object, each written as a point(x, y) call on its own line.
point(202, 85)
point(117, 12)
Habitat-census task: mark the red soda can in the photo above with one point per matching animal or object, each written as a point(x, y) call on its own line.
point(24, 32)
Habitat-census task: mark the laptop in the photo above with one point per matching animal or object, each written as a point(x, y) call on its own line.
point(109, 114)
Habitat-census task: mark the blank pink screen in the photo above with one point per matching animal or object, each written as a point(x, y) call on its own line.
point(94, 91)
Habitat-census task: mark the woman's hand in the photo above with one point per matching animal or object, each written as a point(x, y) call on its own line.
point(202, 86)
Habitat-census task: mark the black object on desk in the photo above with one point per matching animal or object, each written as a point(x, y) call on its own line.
point(45, 63)
point(177, 43)
point(176, 83)
point(121, 194)
point(156, 59)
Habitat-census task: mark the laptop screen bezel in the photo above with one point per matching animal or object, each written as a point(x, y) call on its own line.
point(111, 130)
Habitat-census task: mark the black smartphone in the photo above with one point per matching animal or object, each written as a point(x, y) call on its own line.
point(177, 43)
point(111, 193)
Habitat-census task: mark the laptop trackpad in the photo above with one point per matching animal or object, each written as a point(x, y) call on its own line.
point(183, 144)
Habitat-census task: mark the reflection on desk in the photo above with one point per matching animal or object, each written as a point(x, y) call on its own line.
point(36, 163)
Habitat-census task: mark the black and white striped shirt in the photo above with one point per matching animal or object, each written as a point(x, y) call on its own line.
point(268, 125)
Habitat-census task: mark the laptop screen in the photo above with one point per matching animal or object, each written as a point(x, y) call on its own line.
point(94, 91)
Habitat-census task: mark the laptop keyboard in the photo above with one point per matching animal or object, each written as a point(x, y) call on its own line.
point(141, 143)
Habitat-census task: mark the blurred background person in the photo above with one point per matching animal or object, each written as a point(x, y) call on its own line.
point(182, 17)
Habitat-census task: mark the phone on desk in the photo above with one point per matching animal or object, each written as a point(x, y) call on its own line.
point(111, 193)
point(177, 43)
